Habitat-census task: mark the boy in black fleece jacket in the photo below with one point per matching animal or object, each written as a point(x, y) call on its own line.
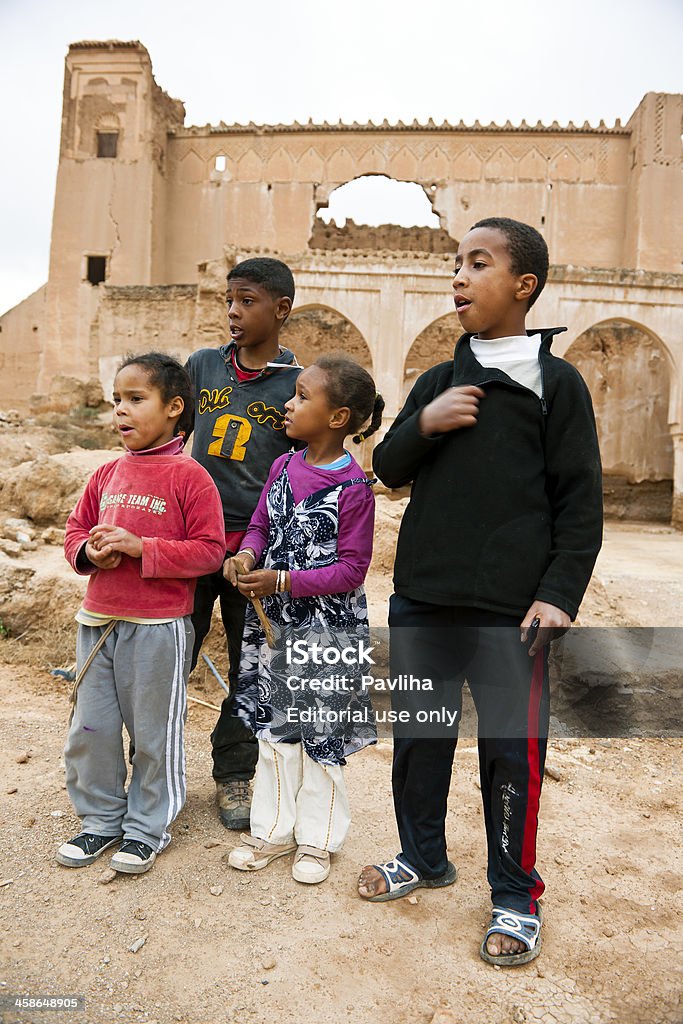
point(496, 549)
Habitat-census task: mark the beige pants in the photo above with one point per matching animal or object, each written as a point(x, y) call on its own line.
point(297, 798)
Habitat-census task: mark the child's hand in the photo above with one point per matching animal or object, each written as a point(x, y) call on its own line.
point(101, 559)
point(230, 570)
point(107, 538)
point(553, 623)
point(453, 409)
point(258, 584)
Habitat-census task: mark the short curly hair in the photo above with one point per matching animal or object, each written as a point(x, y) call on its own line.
point(273, 275)
point(526, 246)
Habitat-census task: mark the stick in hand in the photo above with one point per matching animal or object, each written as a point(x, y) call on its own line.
point(256, 601)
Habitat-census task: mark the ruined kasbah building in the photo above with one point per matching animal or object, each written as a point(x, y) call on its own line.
point(149, 214)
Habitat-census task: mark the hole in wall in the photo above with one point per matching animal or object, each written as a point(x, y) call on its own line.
point(377, 212)
point(375, 199)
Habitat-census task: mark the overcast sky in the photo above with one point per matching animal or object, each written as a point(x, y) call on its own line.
point(354, 60)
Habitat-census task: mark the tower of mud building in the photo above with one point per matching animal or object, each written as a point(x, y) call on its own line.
point(110, 200)
point(654, 214)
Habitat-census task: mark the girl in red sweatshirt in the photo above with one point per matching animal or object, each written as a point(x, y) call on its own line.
point(147, 525)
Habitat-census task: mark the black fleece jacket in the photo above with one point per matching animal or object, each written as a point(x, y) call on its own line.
point(507, 511)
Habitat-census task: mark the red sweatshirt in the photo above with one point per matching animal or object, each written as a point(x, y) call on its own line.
point(172, 503)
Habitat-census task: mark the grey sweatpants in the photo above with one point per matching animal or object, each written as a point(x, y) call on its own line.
point(138, 679)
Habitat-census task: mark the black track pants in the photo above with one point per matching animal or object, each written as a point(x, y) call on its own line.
point(234, 746)
point(511, 694)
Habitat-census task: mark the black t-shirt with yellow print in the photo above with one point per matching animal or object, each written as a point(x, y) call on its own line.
point(239, 426)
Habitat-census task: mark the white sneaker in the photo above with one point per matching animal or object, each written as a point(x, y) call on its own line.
point(311, 865)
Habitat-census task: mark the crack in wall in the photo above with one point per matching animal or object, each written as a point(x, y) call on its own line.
point(117, 234)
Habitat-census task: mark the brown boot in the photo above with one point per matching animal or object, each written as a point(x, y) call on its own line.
point(234, 803)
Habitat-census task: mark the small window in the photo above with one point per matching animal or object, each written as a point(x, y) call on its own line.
point(221, 163)
point(107, 143)
point(97, 269)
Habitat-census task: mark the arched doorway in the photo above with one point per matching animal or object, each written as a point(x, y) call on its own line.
point(433, 345)
point(312, 331)
point(627, 372)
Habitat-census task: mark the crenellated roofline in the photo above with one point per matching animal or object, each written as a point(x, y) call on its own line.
point(109, 44)
point(400, 126)
point(341, 127)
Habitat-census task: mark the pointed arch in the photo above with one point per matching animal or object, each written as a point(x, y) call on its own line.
point(533, 166)
point(565, 166)
point(315, 329)
point(250, 167)
point(500, 166)
point(628, 372)
point(467, 165)
point(341, 166)
point(191, 168)
point(279, 166)
point(434, 344)
point(373, 161)
point(311, 165)
point(403, 165)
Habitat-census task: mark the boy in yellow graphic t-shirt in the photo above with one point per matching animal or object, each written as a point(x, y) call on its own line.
point(240, 393)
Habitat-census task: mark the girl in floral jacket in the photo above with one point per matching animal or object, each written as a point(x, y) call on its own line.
point(306, 554)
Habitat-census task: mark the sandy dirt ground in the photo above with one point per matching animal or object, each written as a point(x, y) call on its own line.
point(223, 946)
point(213, 945)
